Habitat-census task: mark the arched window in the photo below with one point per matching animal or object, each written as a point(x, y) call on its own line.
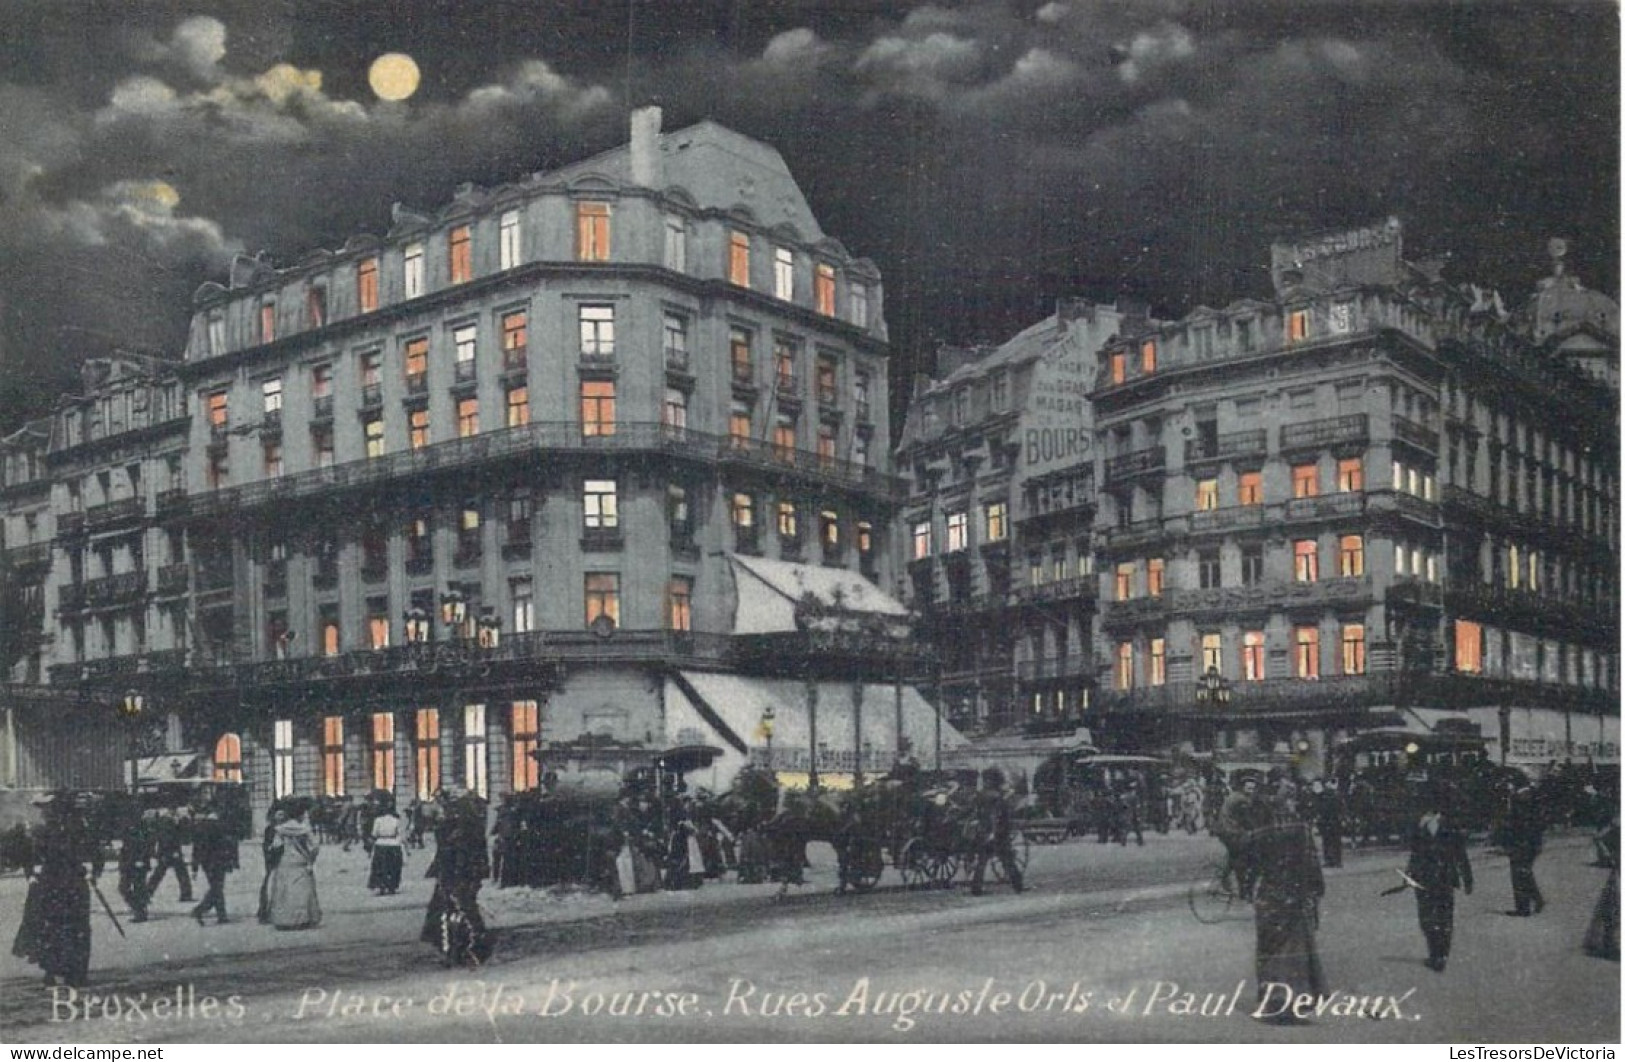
point(228, 758)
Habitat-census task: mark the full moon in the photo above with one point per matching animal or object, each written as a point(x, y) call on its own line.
point(393, 76)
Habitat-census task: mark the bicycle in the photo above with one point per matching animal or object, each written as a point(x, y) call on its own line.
point(1213, 898)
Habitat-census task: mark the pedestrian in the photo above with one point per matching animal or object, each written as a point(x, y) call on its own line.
point(168, 840)
point(1521, 836)
point(55, 929)
point(1128, 813)
point(1286, 912)
point(1328, 808)
point(461, 864)
point(1244, 811)
point(135, 864)
point(991, 809)
point(214, 852)
point(272, 853)
point(293, 887)
point(384, 838)
point(1438, 866)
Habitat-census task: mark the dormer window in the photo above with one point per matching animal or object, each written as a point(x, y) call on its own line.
point(316, 305)
point(366, 284)
point(739, 259)
point(412, 276)
point(460, 254)
point(508, 240)
point(1297, 326)
point(217, 332)
point(824, 288)
point(784, 273)
point(592, 232)
point(267, 321)
point(1148, 356)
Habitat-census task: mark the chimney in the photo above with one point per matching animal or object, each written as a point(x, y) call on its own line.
point(646, 147)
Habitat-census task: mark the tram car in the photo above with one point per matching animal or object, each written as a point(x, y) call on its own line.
point(1382, 773)
point(1087, 792)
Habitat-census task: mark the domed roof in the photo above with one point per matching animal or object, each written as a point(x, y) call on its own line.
point(1562, 304)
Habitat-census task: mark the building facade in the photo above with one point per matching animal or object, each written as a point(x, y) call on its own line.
point(406, 512)
point(997, 528)
point(1373, 499)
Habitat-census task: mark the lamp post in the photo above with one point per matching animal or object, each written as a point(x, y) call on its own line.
point(130, 708)
point(812, 735)
point(1214, 689)
point(857, 732)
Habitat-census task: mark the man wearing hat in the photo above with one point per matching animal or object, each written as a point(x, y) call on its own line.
point(992, 812)
point(1438, 867)
point(1521, 835)
point(1244, 812)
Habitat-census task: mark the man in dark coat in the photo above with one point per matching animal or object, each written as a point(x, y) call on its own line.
point(1328, 812)
point(461, 864)
point(1244, 811)
point(168, 839)
point(1522, 835)
point(991, 809)
point(1438, 866)
point(55, 930)
point(214, 852)
point(135, 864)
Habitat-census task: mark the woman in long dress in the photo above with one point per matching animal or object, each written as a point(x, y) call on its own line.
point(55, 930)
point(385, 836)
point(293, 886)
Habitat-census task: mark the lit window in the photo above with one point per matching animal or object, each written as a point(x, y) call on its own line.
point(460, 247)
point(372, 432)
point(1353, 649)
point(525, 723)
point(784, 438)
point(1207, 495)
point(603, 597)
point(468, 417)
point(739, 356)
point(1159, 662)
point(1307, 641)
point(1305, 481)
point(416, 363)
point(675, 331)
point(592, 232)
point(826, 445)
point(922, 540)
point(524, 605)
point(333, 756)
point(321, 382)
point(508, 240)
point(866, 537)
point(1155, 571)
point(474, 748)
point(784, 273)
point(1125, 581)
point(1297, 326)
point(958, 531)
point(1514, 568)
point(680, 604)
point(1252, 656)
point(674, 411)
point(1119, 367)
point(316, 305)
point(597, 331)
point(428, 753)
point(228, 758)
point(739, 259)
point(464, 344)
point(1148, 356)
point(784, 365)
point(997, 521)
point(824, 288)
point(1305, 560)
point(378, 624)
point(514, 330)
point(1351, 556)
point(412, 267)
point(1212, 652)
point(219, 414)
point(597, 407)
point(1469, 646)
point(599, 505)
point(742, 511)
point(1123, 673)
point(518, 404)
point(366, 284)
point(788, 528)
point(1250, 488)
point(824, 381)
point(282, 758)
point(267, 322)
point(329, 626)
point(739, 426)
point(1351, 474)
point(418, 428)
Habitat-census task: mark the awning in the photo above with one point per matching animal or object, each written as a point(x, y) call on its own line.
point(769, 591)
point(732, 712)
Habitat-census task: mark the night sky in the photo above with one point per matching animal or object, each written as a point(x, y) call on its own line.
point(989, 156)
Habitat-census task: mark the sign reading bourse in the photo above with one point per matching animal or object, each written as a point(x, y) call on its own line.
point(1369, 255)
point(1055, 428)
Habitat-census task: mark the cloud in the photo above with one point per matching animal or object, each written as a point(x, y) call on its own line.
point(534, 83)
point(1162, 45)
point(196, 48)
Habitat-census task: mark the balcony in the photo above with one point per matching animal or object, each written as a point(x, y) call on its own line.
point(372, 395)
point(1329, 696)
point(1332, 431)
point(455, 457)
point(1344, 506)
point(1405, 506)
point(70, 523)
point(1229, 446)
point(1529, 611)
point(114, 514)
point(514, 359)
point(1076, 588)
point(676, 359)
point(1137, 463)
point(788, 385)
point(173, 579)
point(1135, 611)
point(29, 555)
point(1409, 431)
point(1134, 536)
point(1230, 518)
point(115, 590)
point(597, 359)
point(417, 383)
point(517, 546)
point(1074, 665)
point(171, 501)
point(465, 371)
point(1419, 592)
point(1231, 600)
point(321, 407)
point(602, 540)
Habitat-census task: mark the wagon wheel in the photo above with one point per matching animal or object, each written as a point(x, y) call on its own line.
point(919, 865)
point(1023, 852)
point(865, 861)
point(948, 867)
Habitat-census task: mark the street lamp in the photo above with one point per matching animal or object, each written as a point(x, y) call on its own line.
point(1214, 689)
point(130, 708)
point(767, 734)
